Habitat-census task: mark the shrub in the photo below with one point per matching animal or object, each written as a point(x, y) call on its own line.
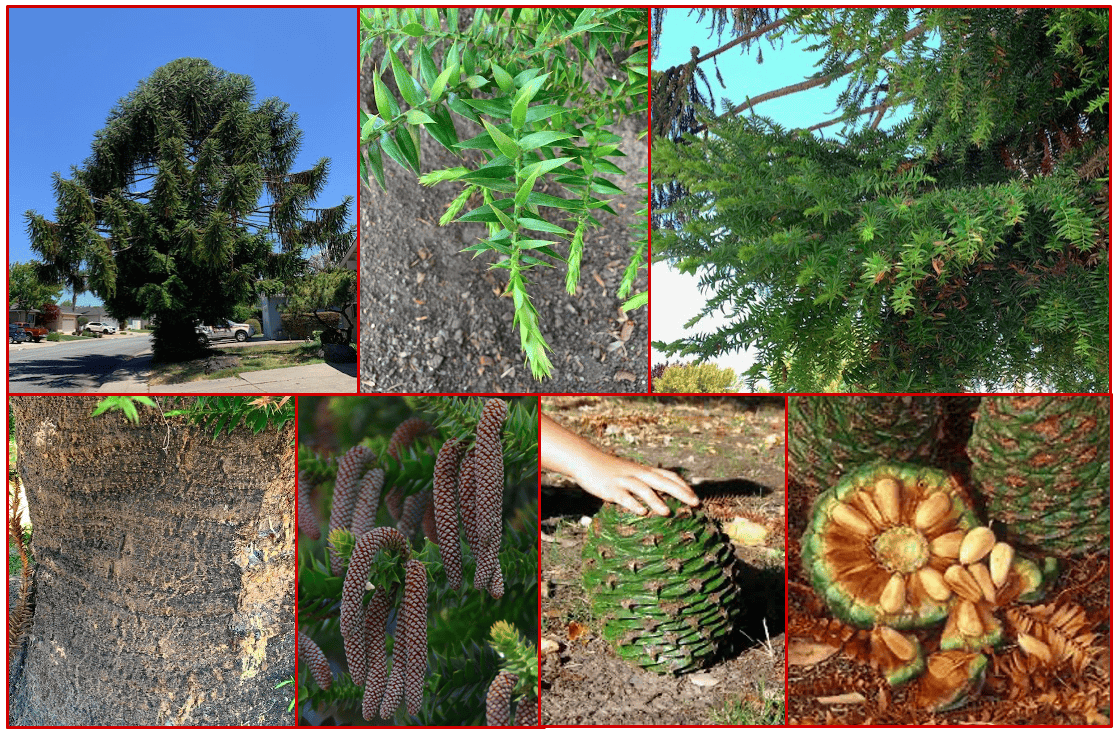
point(695, 378)
point(54, 336)
point(523, 75)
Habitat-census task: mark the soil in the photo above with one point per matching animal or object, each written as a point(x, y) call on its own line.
point(731, 450)
point(832, 679)
point(432, 319)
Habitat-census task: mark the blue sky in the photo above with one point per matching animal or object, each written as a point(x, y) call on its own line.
point(787, 63)
point(68, 67)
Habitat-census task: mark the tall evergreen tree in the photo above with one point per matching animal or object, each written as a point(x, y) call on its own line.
point(964, 248)
point(187, 205)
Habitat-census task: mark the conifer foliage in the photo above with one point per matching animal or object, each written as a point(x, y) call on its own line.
point(963, 248)
point(187, 205)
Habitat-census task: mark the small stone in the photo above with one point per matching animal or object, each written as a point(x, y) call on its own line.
point(704, 680)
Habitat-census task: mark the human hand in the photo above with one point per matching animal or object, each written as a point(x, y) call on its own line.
point(632, 485)
point(608, 477)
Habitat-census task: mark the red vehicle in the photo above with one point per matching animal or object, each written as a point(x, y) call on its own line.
point(35, 332)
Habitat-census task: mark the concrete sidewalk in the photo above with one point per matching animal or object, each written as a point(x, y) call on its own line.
point(312, 378)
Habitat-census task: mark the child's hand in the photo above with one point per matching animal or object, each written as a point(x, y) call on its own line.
point(607, 477)
point(628, 484)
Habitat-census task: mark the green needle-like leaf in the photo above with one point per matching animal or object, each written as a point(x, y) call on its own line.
point(504, 143)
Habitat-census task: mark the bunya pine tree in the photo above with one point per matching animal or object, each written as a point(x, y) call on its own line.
point(187, 205)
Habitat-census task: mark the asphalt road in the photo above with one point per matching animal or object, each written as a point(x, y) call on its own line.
point(70, 366)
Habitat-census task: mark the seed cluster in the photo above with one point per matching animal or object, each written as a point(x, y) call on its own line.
point(477, 484)
point(894, 547)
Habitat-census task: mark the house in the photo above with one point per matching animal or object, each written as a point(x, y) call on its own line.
point(271, 307)
point(34, 316)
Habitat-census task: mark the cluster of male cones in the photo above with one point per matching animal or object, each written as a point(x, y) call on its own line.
point(472, 479)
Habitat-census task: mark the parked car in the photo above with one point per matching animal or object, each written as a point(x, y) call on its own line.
point(35, 333)
point(224, 330)
point(16, 334)
point(98, 327)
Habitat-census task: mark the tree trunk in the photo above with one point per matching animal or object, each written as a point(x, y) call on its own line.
point(164, 578)
point(174, 339)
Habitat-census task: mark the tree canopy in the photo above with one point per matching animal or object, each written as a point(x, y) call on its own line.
point(187, 205)
point(964, 248)
point(26, 289)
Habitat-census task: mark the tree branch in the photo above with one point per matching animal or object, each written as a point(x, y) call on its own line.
point(743, 39)
point(806, 83)
point(881, 108)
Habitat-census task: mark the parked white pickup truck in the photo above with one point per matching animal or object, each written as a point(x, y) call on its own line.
point(224, 330)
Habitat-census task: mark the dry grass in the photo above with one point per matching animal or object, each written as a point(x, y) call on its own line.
point(249, 359)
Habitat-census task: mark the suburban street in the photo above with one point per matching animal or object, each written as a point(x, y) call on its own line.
point(70, 366)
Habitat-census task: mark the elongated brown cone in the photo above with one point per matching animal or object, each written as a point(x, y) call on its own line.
point(350, 467)
point(445, 503)
point(467, 489)
point(498, 701)
point(308, 523)
point(488, 474)
point(376, 623)
point(414, 507)
point(312, 654)
point(527, 712)
point(393, 691)
point(405, 434)
point(359, 563)
point(413, 614)
point(356, 648)
point(393, 500)
point(368, 499)
point(429, 530)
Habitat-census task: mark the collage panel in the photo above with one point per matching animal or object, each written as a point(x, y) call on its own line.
point(673, 615)
point(504, 200)
point(873, 200)
point(949, 560)
point(406, 615)
point(189, 225)
point(151, 568)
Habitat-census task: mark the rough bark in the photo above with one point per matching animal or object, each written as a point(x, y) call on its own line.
point(165, 576)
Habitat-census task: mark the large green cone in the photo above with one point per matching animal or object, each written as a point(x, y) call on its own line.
point(663, 588)
point(830, 435)
point(1043, 466)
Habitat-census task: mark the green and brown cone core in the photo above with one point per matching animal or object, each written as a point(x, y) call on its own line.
point(882, 542)
point(901, 549)
point(663, 588)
